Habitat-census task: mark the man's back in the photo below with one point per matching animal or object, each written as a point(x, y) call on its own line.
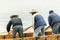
point(39, 21)
point(17, 26)
point(16, 21)
point(54, 18)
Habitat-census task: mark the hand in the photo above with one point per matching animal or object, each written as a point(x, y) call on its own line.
point(8, 32)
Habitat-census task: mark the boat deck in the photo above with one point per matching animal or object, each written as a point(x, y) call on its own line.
point(29, 36)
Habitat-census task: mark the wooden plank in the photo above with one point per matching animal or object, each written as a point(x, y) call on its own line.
point(8, 36)
point(42, 38)
point(48, 33)
point(14, 39)
point(51, 37)
point(28, 34)
point(2, 37)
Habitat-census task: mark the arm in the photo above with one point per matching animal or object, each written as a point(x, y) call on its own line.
point(8, 26)
point(21, 22)
point(49, 20)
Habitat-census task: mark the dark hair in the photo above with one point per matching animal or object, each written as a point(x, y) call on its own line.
point(51, 11)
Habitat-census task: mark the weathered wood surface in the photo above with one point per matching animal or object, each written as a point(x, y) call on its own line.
point(29, 36)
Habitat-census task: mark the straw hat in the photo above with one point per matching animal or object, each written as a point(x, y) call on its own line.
point(33, 11)
point(14, 15)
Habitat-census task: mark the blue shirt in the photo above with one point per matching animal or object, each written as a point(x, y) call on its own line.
point(53, 18)
point(39, 21)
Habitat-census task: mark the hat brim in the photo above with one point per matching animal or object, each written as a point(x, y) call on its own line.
point(32, 12)
point(13, 16)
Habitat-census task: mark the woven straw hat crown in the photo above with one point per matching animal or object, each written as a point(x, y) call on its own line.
point(33, 10)
point(13, 15)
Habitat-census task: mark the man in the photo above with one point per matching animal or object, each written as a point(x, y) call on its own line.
point(54, 22)
point(39, 23)
point(16, 26)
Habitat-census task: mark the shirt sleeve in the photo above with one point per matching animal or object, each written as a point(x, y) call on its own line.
point(50, 20)
point(9, 26)
point(21, 23)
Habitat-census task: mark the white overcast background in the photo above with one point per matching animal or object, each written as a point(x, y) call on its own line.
point(23, 7)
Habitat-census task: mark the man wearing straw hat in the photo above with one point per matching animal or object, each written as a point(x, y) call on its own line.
point(16, 26)
point(39, 23)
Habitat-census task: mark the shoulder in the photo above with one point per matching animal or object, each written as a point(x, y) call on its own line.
point(19, 18)
point(38, 16)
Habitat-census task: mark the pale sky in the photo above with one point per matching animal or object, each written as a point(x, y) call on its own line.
point(23, 7)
